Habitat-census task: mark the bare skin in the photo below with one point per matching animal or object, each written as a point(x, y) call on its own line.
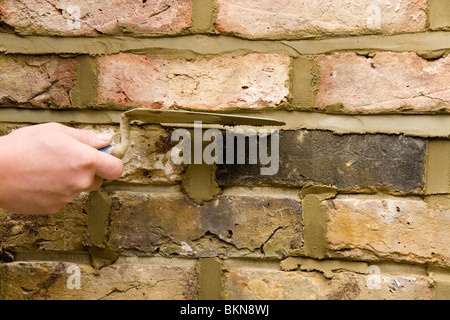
point(44, 167)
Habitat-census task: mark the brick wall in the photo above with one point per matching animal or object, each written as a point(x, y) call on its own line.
point(360, 205)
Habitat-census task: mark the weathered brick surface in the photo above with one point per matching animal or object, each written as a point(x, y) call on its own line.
point(48, 281)
point(306, 18)
point(148, 158)
point(386, 82)
point(251, 81)
point(36, 81)
point(227, 225)
point(349, 162)
point(260, 284)
point(90, 18)
point(404, 229)
point(64, 231)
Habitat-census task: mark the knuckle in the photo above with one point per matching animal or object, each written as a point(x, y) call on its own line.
point(84, 182)
point(85, 135)
point(85, 161)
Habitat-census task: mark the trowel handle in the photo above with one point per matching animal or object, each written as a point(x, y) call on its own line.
point(108, 149)
point(116, 150)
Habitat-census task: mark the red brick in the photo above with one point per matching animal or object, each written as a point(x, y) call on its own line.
point(85, 17)
point(307, 18)
point(251, 81)
point(387, 82)
point(36, 81)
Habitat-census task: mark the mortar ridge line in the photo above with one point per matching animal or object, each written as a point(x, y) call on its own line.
point(157, 261)
point(80, 257)
point(269, 191)
point(112, 187)
point(196, 43)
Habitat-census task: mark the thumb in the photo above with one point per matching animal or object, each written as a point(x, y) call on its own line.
point(91, 138)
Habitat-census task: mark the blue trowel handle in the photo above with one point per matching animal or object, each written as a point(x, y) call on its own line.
point(108, 149)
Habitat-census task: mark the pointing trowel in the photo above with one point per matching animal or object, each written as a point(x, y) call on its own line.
point(156, 116)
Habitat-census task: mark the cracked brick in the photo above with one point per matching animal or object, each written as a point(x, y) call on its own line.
point(244, 283)
point(92, 18)
point(39, 280)
point(229, 225)
point(295, 19)
point(64, 231)
point(250, 81)
point(36, 81)
point(367, 84)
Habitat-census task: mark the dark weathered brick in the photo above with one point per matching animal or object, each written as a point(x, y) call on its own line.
point(229, 225)
point(64, 231)
point(392, 163)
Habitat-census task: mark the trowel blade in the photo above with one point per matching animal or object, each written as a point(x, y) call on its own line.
point(157, 116)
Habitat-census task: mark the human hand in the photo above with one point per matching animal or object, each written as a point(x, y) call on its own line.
point(44, 167)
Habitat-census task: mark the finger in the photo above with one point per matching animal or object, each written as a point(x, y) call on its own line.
point(108, 167)
point(96, 184)
point(91, 138)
